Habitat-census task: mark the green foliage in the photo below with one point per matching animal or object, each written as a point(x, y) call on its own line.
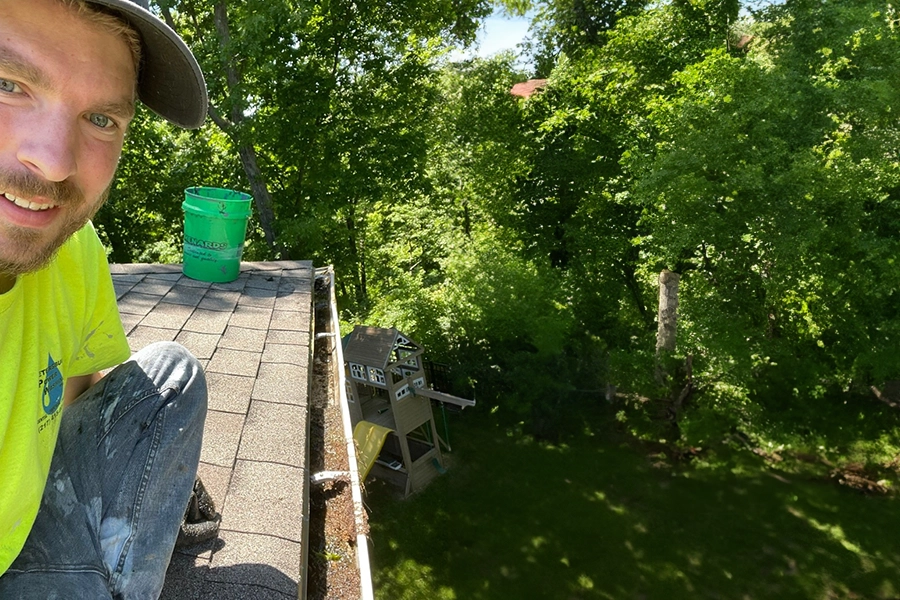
point(764, 191)
point(141, 221)
point(521, 240)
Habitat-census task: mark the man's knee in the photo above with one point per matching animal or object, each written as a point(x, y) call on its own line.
point(172, 366)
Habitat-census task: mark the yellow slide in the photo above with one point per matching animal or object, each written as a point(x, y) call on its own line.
point(369, 439)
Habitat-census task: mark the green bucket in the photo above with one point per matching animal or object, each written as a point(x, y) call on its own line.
point(215, 225)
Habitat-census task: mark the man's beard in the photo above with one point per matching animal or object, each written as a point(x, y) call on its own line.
point(33, 254)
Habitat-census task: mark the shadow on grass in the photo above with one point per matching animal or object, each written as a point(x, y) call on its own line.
point(593, 518)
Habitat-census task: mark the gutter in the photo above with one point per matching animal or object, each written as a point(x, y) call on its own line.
point(304, 510)
point(362, 540)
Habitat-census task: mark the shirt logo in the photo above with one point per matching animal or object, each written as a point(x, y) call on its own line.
point(52, 382)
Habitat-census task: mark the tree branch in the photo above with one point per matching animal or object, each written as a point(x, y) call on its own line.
point(223, 123)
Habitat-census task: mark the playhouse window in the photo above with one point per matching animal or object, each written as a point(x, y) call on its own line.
point(403, 348)
point(376, 375)
point(402, 392)
point(358, 371)
point(403, 356)
point(419, 382)
point(348, 390)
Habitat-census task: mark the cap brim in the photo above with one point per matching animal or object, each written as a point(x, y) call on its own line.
point(170, 83)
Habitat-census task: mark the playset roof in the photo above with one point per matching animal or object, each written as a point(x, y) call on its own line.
point(373, 346)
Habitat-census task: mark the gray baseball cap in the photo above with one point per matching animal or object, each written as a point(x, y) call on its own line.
point(170, 82)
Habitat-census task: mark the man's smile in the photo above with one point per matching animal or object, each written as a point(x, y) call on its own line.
point(23, 203)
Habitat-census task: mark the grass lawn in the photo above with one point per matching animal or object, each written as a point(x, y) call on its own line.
point(594, 517)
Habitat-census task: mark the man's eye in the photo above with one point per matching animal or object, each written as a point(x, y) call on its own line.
point(8, 86)
point(101, 121)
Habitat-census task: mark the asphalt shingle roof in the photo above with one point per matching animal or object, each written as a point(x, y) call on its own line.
point(253, 337)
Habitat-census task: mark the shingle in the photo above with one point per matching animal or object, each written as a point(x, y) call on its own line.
point(257, 297)
point(241, 338)
point(281, 383)
point(220, 300)
point(296, 265)
point(144, 269)
point(186, 281)
point(141, 337)
point(265, 498)
point(137, 304)
point(251, 316)
point(207, 321)
point(201, 345)
point(185, 578)
point(216, 480)
point(229, 591)
point(118, 275)
point(129, 321)
point(285, 288)
point(157, 287)
point(298, 338)
point(168, 316)
point(295, 301)
point(289, 320)
point(221, 437)
point(232, 286)
point(230, 393)
point(183, 294)
point(274, 433)
point(234, 362)
point(267, 266)
point(284, 353)
point(238, 561)
point(266, 281)
point(203, 550)
point(166, 273)
point(121, 288)
point(298, 283)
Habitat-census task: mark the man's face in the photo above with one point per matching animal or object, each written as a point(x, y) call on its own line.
point(66, 98)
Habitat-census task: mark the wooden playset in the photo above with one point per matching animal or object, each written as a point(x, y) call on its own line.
point(390, 407)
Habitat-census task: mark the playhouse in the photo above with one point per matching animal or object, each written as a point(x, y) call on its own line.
point(390, 407)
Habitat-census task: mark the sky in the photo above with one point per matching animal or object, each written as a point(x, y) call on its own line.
point(501, 33)
point(497, 33)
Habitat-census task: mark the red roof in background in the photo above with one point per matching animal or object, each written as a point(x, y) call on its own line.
point(744, 42)
point(527, 88)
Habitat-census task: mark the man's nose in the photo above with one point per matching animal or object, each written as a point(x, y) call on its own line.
point(47, 147)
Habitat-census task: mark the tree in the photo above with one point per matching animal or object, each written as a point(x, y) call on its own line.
point(323, 103)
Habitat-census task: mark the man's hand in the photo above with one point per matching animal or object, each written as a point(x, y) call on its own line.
point(75, 386)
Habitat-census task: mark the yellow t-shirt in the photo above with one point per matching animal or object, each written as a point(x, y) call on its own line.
point(56, 323)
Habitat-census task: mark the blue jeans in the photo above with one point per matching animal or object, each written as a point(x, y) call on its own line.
point(120, 479)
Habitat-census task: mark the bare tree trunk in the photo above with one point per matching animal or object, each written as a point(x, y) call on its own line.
point(260, 193)
point(247, 153)
point(356, 249)
point(666, 341)
point(231, 127)
point(668, 311)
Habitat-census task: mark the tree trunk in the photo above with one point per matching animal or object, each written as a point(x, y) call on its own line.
point(668, 311)
point(667, 331)
point(358, 259)
point(231, 127)
point(247, 153)
point(260, 193)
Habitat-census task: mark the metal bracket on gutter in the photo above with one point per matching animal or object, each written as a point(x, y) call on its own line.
point(326, 476)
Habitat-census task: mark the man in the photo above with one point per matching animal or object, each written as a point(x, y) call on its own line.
point(95, 473)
